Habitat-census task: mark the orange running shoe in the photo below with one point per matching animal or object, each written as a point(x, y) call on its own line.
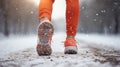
point(45, 32)
point(70, 46)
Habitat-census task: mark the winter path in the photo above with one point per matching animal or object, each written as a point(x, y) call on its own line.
point(94, 51)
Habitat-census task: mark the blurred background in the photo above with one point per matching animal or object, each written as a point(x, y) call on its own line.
point(20, 17)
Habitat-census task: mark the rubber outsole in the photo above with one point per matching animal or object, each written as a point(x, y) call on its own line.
point(71, 50)
point(45, 32)
point(44, 50)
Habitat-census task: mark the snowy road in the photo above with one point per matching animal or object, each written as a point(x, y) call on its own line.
point(21, 52)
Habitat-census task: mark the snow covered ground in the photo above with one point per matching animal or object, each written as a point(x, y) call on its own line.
point(94, 51)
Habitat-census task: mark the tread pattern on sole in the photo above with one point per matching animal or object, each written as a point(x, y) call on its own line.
point(45, 32)
point(71, 50)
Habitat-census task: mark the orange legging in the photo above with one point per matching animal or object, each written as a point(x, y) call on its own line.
point(72, 14)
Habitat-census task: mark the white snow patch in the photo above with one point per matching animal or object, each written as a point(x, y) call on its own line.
point(58, 41)
point(13, 44)
point(101, 41)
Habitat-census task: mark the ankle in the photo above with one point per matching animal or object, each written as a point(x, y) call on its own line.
point(68, 36)
point(44, 19)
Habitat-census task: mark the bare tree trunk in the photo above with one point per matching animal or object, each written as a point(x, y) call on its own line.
point(4, 8)
point(116, 23)
point(116, 16)
point(6, 32)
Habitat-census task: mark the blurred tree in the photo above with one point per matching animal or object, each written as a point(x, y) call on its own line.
point(117, 15)
point(100, 16)
point(5, 15)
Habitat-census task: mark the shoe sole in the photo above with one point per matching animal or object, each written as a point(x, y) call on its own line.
point(71, 50)
point(45, 32)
